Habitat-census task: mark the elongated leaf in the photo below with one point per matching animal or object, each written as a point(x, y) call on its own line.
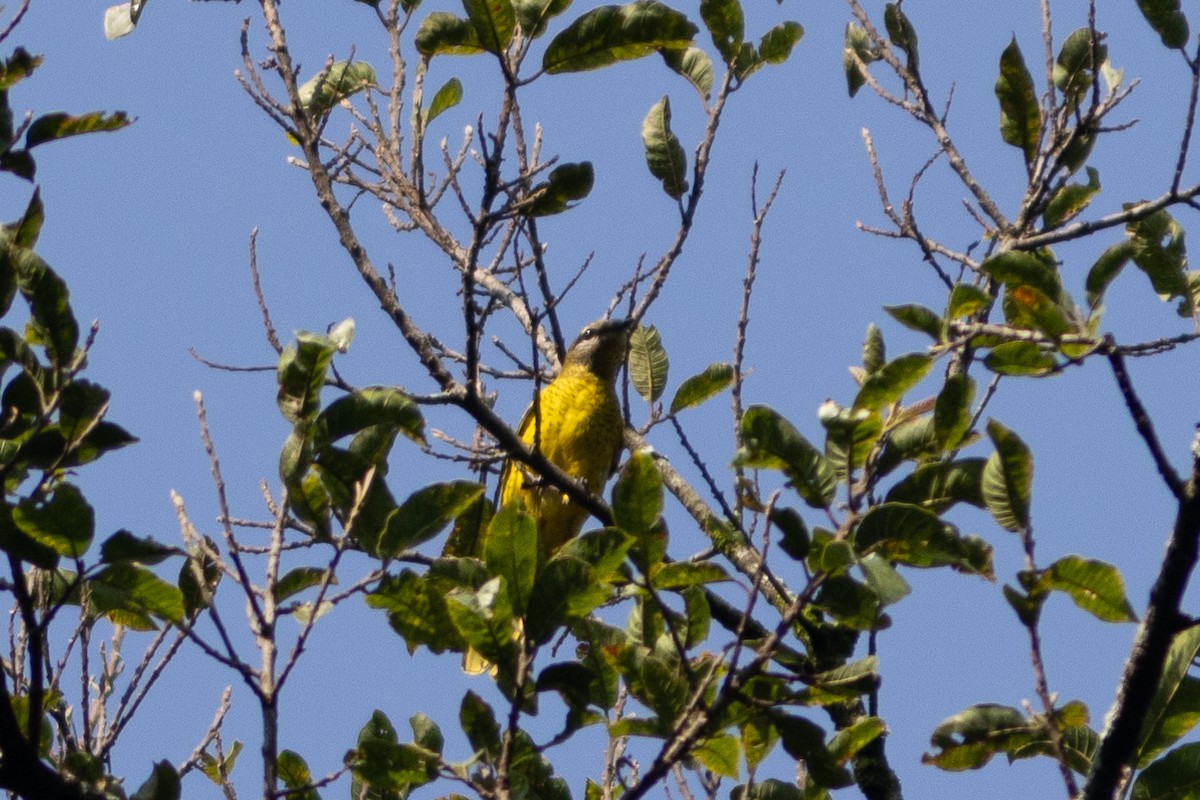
point(1018, 268)
point(297, 580)
point(512, 550)
point(718, 754)
point(1095, 586)
point(902, 34)
point(779, 41)
point(1167, 20)
point(664, 153)
point(648, 363)
point(609, 34)
point(301, 376)
point(1107, 267)
point(693, 64)
point(494, 22)
point(124, 546)
point(917, 318)
point(1175, 776)
point(1175, 707)
point(58, 125)
point(939, 485)
point(1020, 115)
point(892, 380)
point(771, 442)
point(368, 407)
point(916, 536)
point(446, 98)
point(426, 513)
point(1020, 358)
point(1008, 479)
point(952, 412)
point(163, 784)
point(442, 33)
point(726, 22)
point(969, 739)
point(638, 496)
point(416, 609)
point(699, 388)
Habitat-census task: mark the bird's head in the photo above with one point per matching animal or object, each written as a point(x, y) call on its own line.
point(600, 347)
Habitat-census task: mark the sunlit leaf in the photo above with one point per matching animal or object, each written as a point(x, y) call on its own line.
point(664, 153)
point(609, 34)
point(1020, 115)
point(1008, 479)
point(1167, 20)
point(565, 184)
point(648, 363)
point(771, 442)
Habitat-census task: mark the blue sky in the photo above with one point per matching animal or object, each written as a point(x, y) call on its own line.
point(150, 227)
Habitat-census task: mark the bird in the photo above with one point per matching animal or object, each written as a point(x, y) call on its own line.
point(576, 423)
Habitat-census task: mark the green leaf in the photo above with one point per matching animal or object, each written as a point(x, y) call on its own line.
point(52, 324)
point(1105, 270)
point(565, 184)
point(609, 34)
point(511, 551)
point(1075, 69)
point(889, 586)
point(1095, 586)
point(478, 722)
point(952, 411)
point(384, 406)
point(778, 42)
point(1020, 358)
point(301, 376)
point(969, 739)
point(638, 496)
point(1071, 199)
point(297, 580)
point(126, 587)
point(58, 125)
point(296, 776)
point(320, 93)
point(1008, 479)
point(484, 618)
point(664, 153)
point(416, 609)
point(1159, 251)
point(1175, 708)
point(446, 98)
point(566, 590)
point(966, 300)
point(124, 546)
point(719, 755)
point(727, 24)
point(902, 34)
point(494, 22)
point(442, 33)
point(62, 521)
point(1020, 115)
point(1019, 268)
point(1175, 776)
point(918, 318)
point(163, 784)
point(693, 64)
point(889, 383)
point(26, 232)
point(772, 443)
point(699, 388)
point(17, 67)
point(648, 363)
point(847, 742)
point(939, 485)
point(918, 537)
point(759, 738)
point(794, 539)
point(829, 555)
point(852, 434)
point(533, 15)
point(425, 514)
point(684, 574)
point(857, 48)
point(1167, 21)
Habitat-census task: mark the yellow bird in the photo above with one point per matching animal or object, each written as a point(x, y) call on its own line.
point(576, 424)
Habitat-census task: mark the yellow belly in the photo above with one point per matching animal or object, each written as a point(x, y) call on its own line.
point(580, 432)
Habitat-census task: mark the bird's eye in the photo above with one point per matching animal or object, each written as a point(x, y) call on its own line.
point(588, 333)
